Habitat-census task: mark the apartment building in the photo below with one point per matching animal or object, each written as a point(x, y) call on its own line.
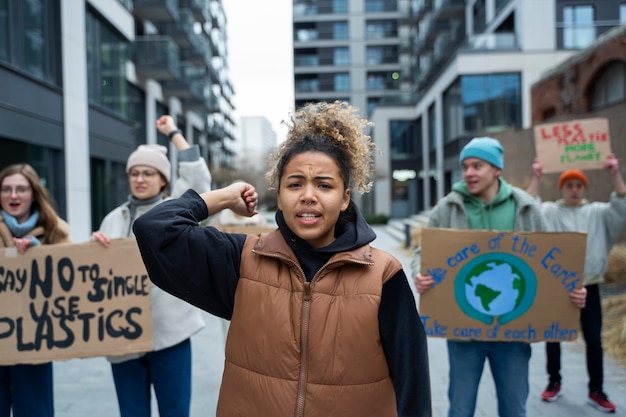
point(472, 66)
point(350, 50)
point(83, 82)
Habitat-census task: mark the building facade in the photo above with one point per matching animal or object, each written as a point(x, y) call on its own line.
point(349, 50)
point(472, 67)
point(84, 82)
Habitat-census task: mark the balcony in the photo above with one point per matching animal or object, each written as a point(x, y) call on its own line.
point(215, 132)
point(202, 100)
point(189, 84)
point(156, 10)
point(156, 57)
point(491, 42)
point(200, 55)
point(197, 9)
point(449, 9)
point(181, 31)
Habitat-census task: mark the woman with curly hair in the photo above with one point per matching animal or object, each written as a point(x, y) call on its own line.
point(322, 324)
point(28, 219)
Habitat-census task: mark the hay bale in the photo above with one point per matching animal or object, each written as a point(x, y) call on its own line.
point(616, 271)
point(614, 327)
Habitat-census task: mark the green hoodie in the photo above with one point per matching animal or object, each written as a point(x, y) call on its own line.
point(498, 214)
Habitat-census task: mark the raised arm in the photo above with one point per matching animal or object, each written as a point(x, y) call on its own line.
point(239, 197)
point(166, 125)
point(533, 187)
point(612, 165)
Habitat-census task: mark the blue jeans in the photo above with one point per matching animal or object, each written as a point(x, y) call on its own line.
point(168, 370)
point(509, 365)
point(28, 389)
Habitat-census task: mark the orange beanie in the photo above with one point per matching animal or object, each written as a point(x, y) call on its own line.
point(572, 174)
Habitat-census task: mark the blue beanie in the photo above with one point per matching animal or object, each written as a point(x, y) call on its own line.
point(485, 148)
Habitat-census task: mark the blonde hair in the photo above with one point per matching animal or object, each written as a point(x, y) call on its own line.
point(335, 129)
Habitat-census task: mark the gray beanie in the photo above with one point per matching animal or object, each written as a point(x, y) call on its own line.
point(154, 156)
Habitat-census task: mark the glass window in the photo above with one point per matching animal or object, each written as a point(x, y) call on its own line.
point(383, 80)
point(107, 53)
point(109, 187)
point(373, 6)
point(341, 56)
point(578, 26)
point(340, 30)
point(342, 82)
point(622, 14)
point(305, 58)
point(307, 83)
point(340, 6)
point(377, 55)
point(381, 29)
point(432, 127)
point(4, 30)
point(491, 102)
point(30, 37)
point(610, 87)
point(405, 139)
point(372, 102)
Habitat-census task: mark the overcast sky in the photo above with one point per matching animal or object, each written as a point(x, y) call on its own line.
point(260, 58)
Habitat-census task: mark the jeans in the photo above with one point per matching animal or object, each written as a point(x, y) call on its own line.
point(28, 389)
point(509, 365)
point(591, 325)
point(168, 370)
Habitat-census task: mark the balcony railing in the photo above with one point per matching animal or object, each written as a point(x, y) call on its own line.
point(156, 57)
point(491, 41)
point(156, 10)
point(197, 8)
point(181, 31)
point(200, 54)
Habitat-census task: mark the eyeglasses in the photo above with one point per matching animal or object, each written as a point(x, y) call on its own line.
point(21, 190)
point(147, 174)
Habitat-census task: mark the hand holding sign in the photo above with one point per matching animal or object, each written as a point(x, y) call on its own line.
point(581, 144)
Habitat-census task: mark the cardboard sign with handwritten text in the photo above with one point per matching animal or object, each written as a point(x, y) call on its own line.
point(73, 301)
point(575, 144)
point(507, 286)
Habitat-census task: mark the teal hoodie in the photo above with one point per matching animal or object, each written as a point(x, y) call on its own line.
point(498, 214)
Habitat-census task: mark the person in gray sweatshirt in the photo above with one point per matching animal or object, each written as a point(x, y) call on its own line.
point(604, 224)
point(483, 200)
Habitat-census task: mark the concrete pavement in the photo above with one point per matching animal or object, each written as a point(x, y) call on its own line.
point(84, 387)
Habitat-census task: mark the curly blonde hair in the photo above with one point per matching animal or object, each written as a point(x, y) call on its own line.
point(335, 129)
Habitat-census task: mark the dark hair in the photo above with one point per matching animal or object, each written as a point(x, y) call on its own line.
point(334, 129)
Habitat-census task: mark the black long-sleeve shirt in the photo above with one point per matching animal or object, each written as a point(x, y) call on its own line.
point(201, 266)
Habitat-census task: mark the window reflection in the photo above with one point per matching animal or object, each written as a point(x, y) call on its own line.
point(578, 26)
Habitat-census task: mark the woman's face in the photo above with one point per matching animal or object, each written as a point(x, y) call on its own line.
point(145, 182)
point(16, 196)
point(311, 196)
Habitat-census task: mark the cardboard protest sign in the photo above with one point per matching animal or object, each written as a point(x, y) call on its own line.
point(507, 286)
point(575, 144)
point(73, 301)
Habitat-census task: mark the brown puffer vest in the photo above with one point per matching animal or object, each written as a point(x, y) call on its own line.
point(310, 350)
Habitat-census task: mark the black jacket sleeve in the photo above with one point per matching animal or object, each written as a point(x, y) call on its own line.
point(197, 264)
point(404, 342)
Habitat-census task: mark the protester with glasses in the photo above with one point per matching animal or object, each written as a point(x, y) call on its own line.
point(28, 219)
point(168, 366)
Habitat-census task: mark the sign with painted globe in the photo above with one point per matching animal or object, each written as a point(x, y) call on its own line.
point(501, 286)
